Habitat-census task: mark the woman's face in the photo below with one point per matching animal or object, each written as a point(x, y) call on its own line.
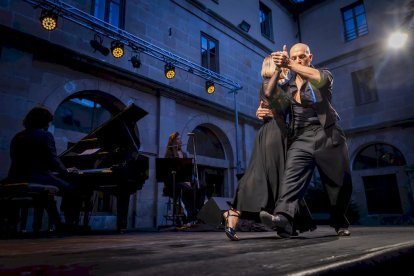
point(178, 140)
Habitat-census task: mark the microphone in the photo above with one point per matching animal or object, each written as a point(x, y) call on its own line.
point(191, 134)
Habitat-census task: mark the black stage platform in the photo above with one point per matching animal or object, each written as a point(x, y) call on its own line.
point(198, 252)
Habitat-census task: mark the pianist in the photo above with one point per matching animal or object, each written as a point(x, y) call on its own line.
point(34, 159)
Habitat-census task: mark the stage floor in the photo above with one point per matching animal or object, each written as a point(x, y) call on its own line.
point(368, 249)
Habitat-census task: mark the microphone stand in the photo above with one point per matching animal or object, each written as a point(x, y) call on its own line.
point(196, 183)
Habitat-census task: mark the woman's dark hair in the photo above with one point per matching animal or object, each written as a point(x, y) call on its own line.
point(38, 117)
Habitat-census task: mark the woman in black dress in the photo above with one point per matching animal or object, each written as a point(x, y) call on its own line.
point(259, 187)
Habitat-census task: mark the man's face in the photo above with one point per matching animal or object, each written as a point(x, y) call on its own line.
point(301, 55)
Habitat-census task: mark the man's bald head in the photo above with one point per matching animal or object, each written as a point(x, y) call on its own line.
point(301, 46)
point(300, 53)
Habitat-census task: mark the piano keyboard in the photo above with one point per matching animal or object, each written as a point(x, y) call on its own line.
point(92, 171)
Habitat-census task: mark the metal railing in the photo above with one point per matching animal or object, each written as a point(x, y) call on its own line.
point(135, 43)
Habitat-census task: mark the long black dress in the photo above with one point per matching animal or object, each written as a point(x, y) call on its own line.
point(259, 187)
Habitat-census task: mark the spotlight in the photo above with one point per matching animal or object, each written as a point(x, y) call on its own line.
point(244, 26)
point(169, 70)
point(117, 49)
point(48, 19)
point(397, 40)
point(96, 44)
point(136, 61)
point(210, 88)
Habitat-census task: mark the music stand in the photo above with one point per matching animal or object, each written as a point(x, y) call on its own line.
point(174, 170)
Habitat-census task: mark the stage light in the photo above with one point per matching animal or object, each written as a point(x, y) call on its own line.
point(117, 49)
point(397, 40)
point(244, 26)
point(135, 61)
point(169, 71)
point(96, 44)
point(210, 88)
point(48, 19)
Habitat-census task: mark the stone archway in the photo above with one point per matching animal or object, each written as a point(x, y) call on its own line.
point(64, 135)
point(216, 128)
point(215, 156)
point(376, 155)
point(71, 87)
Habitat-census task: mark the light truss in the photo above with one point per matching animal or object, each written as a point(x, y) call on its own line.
point(135, 43)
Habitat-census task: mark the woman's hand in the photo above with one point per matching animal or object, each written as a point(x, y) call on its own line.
point(263, 112)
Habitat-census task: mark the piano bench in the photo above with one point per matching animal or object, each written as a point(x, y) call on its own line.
point(15, 201)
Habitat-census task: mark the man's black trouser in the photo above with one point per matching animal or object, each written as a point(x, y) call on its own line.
point(329, 153)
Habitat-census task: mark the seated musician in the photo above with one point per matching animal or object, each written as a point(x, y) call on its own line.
point(34, 159)
point(184, 189)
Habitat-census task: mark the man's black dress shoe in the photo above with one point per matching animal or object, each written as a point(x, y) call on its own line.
point(343, 232)
point(279, 223)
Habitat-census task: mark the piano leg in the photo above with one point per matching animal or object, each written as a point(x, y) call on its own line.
point(88, 210)
point(122, 210)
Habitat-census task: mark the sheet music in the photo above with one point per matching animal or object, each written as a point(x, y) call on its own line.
point(89, 151)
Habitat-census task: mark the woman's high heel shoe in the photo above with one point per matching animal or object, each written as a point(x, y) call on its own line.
point(231, 231)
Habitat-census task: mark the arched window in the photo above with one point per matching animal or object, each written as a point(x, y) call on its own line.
point(207, 143)
point(81, 115)
point(378, 156)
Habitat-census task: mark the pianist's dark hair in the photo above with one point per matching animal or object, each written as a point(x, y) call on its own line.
point(38, 117)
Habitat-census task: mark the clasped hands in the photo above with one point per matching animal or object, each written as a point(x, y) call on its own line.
point(281, 58)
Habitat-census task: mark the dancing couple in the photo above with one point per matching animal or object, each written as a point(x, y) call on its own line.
point(284, 158)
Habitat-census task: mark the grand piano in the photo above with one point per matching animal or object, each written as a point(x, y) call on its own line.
point(109, 160)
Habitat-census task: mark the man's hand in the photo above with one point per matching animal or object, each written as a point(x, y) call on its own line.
point(263, 112)
point(281, 58)
point(72, 170)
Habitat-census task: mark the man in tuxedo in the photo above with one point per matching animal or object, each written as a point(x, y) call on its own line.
point(316, 141)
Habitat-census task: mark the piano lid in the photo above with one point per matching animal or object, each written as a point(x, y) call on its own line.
point(131, 113)
point(118, 133)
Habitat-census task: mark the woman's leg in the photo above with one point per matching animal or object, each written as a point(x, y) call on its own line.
point(231, 218)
